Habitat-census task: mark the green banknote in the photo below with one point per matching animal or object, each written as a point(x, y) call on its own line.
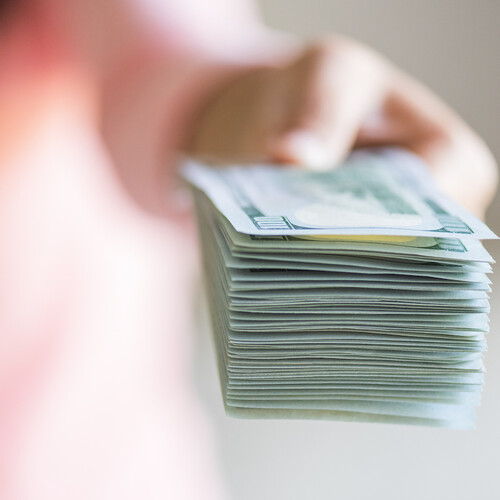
point(360, 294)
point(387, 192)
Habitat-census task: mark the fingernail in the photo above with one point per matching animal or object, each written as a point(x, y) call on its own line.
point(308, 150)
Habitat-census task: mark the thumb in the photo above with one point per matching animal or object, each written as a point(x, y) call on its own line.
point(334, 95)
point(303, 147)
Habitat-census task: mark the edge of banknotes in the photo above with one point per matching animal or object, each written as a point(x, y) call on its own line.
point(358, 294)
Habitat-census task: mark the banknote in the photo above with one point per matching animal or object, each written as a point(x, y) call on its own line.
point(427, 249)
point(359, 294)
point(383, 192)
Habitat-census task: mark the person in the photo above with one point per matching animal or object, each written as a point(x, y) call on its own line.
point(97, 99)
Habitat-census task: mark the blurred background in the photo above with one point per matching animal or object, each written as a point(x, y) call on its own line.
point(454, 47)
point(94, 300)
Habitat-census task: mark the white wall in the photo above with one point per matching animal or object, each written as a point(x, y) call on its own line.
point(454, 46)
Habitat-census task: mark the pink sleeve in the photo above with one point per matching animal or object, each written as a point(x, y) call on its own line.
point(95, 394)
point(158, 60)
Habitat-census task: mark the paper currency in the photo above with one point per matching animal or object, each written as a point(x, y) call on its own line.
point(387, 192)
point(358, 294)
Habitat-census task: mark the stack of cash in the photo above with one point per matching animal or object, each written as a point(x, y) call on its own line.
point(355, 294)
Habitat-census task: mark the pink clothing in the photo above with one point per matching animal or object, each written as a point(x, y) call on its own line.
point(95, 399)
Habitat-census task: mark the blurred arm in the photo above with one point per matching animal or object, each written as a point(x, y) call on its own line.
point(157, 62)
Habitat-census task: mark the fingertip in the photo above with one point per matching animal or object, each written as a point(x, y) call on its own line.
point(303, 148)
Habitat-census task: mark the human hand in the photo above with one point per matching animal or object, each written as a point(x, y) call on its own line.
point(334, 96)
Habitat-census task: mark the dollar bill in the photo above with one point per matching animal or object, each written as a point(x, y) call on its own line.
point(359, 294)
point(384, 192)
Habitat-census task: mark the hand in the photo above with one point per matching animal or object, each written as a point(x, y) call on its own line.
point(337, 95)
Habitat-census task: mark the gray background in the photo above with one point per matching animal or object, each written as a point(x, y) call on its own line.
point(454, 47)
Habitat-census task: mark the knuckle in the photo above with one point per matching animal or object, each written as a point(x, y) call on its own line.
point(331, 50)
point(345, 55)
point(334, 45)
point(339, 47)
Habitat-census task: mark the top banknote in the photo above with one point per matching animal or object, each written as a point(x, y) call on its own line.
point(376, 192)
